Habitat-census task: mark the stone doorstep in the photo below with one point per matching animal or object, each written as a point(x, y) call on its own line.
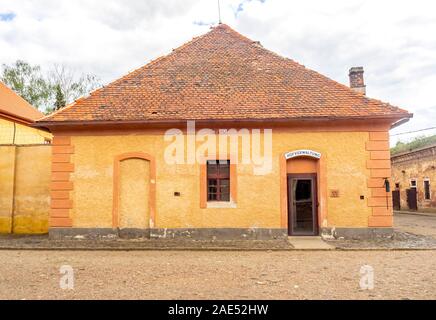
point(309, 243)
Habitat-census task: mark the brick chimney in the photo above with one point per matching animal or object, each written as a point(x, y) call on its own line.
point(356, 80)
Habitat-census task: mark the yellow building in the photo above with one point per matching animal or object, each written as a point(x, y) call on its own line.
point(25, 165)
point(222, 139)
point(16, 116)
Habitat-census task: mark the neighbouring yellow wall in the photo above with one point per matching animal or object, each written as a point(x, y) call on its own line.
point(25, 189)
point(258, 202)
point(23, 134)
point(7, 169)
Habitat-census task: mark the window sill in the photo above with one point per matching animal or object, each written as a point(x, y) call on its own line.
point(221, 205)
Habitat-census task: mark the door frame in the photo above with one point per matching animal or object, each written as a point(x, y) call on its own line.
point(303, 176)
point(116, 185)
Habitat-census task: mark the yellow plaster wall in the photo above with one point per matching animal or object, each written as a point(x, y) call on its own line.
point(25, 189)
point(23, 134)
point(258, 203)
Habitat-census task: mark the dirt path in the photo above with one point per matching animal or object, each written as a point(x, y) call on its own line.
point(217, 275)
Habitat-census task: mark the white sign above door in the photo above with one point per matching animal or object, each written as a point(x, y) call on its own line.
point(303, 153)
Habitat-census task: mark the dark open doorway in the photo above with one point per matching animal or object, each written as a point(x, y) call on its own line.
point(412, 202)
point(396, 199)
point(302, 205)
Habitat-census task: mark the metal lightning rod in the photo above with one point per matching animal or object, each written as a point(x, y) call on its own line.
point(219, 12)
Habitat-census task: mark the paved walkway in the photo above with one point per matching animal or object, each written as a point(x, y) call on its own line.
point(43, 243)
point(419, 224)
point(417, 213)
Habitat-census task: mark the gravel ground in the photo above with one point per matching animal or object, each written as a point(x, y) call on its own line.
point(206, 274)
point(417, 224)
point(411, 232)
point(217, 275)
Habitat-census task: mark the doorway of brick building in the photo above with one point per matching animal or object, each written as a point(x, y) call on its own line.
point(412, 202)
point(396, 200)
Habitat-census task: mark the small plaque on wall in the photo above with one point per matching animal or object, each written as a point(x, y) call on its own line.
point(334, 193)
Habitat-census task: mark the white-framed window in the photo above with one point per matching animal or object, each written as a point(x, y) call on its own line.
point(413, 183)
point(427, 192)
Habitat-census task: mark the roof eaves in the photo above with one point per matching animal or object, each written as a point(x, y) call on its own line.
point(389, 117)
point(15, 117)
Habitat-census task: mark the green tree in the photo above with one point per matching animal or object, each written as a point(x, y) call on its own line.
point(416, 143)
point(60, 98)
point(47, 91)
point(28, 82)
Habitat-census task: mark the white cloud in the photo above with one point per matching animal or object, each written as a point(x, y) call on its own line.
point(393, 39)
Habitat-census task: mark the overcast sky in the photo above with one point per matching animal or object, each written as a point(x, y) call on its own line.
point(394, 40)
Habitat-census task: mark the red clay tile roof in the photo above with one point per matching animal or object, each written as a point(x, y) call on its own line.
point(223, 75)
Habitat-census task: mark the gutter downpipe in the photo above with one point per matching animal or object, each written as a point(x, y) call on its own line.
point(400, 122)
point(14, 191)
